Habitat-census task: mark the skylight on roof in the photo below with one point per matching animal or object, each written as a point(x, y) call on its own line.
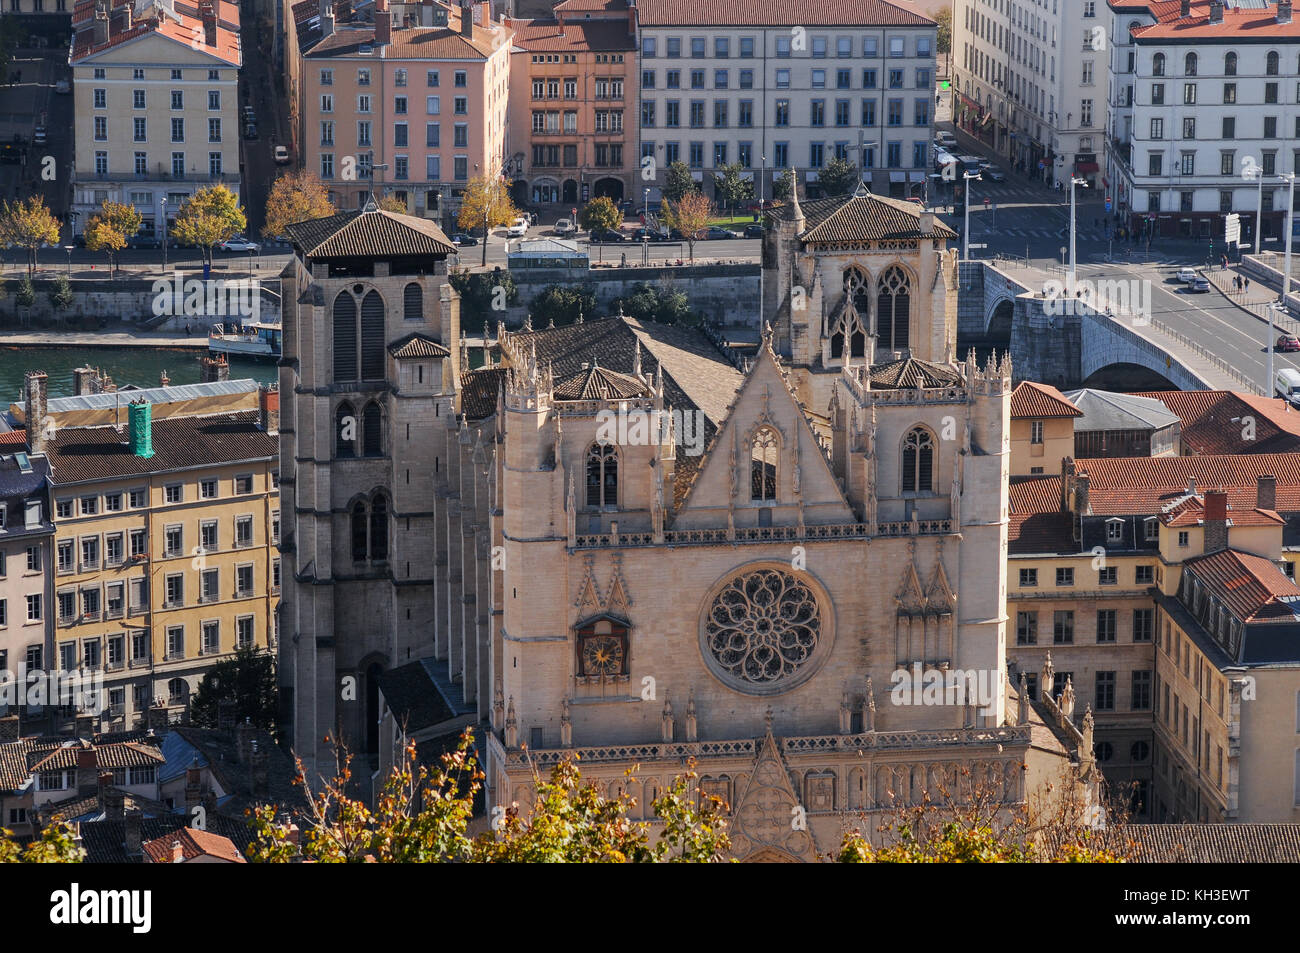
point(24, 462)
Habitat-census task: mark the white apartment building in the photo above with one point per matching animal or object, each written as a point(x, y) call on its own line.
point(1029, 81)
point(1205, 96)
point(783, 85)
point(156, 100)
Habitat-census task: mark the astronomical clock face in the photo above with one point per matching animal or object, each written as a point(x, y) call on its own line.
point(602, 655)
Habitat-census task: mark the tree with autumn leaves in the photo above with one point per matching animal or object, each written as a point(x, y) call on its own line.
point(297, 196)
point(29, 224)
point(110, 228)
point(209, 217)
point(486, 204)
point(689, 215)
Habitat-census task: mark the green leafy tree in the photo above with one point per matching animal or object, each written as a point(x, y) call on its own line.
point(600, 214)
point(209, 217)
point(732, 187)
point(25, 297)
point(678, 181)
point(649, 302)
point(249, 679)
point(391, 203)
point(839, 177)
point(60, 293)
point(943, 41)
point(483, 294)
point(423, 815)
point(562, 304)
point(57, 844)
point(783, 186)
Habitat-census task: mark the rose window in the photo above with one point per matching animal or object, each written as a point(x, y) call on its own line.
point(762, 629)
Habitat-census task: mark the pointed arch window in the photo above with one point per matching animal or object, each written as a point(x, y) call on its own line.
point(359, 541)
point(1189, 64)
point(372, 430)
point(345, 431)
point(893, 311)
point(918, 461)
point(852, 322)
point(373, 362)
point(345, 337)
point(412, 302)
point(1230, 64)
point(602, 475)
point(1271, 63)
point(379, 528)
point(762, 465)
point(1158, 65)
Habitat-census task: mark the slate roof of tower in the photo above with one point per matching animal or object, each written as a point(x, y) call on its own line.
point(911, 372)
point(479, 390)
point(599, 383)
point(369, 233)
point(413, 698)
point(860, 217)
point(417, 345)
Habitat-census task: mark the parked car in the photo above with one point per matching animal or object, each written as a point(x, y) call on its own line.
point(994, 174)
point(1186, 275)
point(753, 231)
point(281, 155)
point(250, 131)
point(63, 87)
point(1199, 286)
point(605, 236)
point(136, 241)
point(947, 138)
point(565, 227)
point(650, 233)
point(1287, 342)
point(717, 233)
point(518, 228)
point(460, 238)
point(38, 137)
point(239, 243)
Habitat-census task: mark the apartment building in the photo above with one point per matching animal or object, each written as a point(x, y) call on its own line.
point(1042, 429)
point(1029, 82)
point(573, 83)
point(1205, 97)
point(779, 86)
point(25, 577)
point(1094, 556)
point(156, 104)
point(165, 535)
point(407, 100)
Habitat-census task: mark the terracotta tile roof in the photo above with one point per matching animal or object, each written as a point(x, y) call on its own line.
point(79, 454)
point(1037, 524)
point(131, 754)
point(13, 438)
point(576, 36)
point(417, 345)
point(861, 217)
point(591, 6)
point(1191, 512)
point(91, 807)
point(1216, 843)
point(181, 26)
point(14, 772)
point(911, 372)
point(1252, 588)
point(194, 843)
point(1239, 24)
point(105, 841)
point(1031, 399)
point(808, 13)
point(416, 42)
point(1214, 421)
point(1135, 485)
point(369, 233)
point(598, 383)
point(479, 390)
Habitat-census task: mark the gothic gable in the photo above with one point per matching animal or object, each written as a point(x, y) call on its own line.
point(768, 817)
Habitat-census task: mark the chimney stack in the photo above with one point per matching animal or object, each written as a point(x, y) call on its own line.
point(1216, 11)
point(87, 772)
point(467, 20)
point(1283, 11)
point(213, 369)
point(1081, 488)
point(1186, 9)
point(9, 729)
point(193, 786)
point(268, 409)
point(105, 782)
point(101, 22)
point(244, 736)
point(114, 805)
point(178, 853)
point(36, 386)
point(140, 428)
point(327, 18)
point(1191, 486)
point(131, 829)
point(383, 24)
point(1216, 521)
point(1266, 492)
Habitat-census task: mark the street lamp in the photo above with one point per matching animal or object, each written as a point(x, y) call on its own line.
point(68, 249)
point(1074, 182)
point(164, 233)
point(1290, 218)
point(965, 232)
point(1271, 342)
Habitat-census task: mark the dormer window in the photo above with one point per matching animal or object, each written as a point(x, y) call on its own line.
point(1151, 529)
point(1115, 531)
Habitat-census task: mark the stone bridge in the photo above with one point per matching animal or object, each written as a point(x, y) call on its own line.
point(1006, 309)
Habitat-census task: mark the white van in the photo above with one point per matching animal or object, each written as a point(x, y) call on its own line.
point(1287, 385)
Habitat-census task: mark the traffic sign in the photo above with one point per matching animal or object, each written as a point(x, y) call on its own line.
point(1108, 204)
point(973, 246)
point(987, 200)
point(1232, 228)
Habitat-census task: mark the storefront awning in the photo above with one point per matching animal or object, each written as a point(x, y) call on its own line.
point(898, 177)
point(916, 176)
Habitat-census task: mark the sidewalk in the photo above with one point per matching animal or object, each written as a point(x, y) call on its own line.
point(113, 339)
point(1255, 302)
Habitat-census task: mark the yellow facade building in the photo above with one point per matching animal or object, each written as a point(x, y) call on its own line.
point(165, 555)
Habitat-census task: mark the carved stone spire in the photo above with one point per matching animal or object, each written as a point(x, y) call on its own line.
point(794, 196)
point(846, 713)
point(1022, 712)
point(512, 725)
point(636, 360)
point(666, 721)
point(566, 724)
point(528, 321)
point(692, 728)
point(869, 708)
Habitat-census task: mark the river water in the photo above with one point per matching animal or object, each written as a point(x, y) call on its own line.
point(140, 366)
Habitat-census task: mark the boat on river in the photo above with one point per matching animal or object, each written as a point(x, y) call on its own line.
point(246, 339)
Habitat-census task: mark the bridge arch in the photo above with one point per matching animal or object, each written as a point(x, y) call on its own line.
point(1108, 343)
point(997, 326)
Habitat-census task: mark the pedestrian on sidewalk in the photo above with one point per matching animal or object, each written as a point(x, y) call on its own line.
point(1225, 262)
point(1245, 282)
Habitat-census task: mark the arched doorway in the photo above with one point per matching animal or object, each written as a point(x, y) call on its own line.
point(608, 186)
point(545, 192)
point(570, 191)
point(519, 191)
